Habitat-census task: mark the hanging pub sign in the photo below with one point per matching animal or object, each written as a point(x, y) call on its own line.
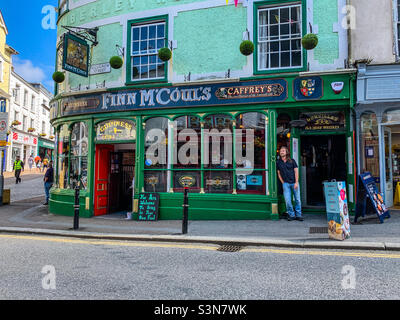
point(116, 130)
point(323, 121)
point(76, 55)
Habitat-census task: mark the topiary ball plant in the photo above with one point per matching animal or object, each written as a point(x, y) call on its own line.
point(309, 41)
point(164, 54)
point(58, 76)
point(116, 62)
point(247, 47)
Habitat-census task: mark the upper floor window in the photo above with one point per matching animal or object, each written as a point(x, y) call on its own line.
point(16, 93)
point(25, 98)
point(279, 37)
point(146, 39)
point(33, 104)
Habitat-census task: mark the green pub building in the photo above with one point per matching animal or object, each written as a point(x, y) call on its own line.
point(149, 125)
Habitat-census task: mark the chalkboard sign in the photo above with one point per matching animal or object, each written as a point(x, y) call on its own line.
point(148, 206)
point(369, 200)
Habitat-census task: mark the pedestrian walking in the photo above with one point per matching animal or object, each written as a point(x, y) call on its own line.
point(48, 181)
point(17, 167)
point(288, 174)
point(37, 160)
point(30, 162)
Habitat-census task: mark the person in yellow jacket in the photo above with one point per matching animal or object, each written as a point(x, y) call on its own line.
point(18, 166)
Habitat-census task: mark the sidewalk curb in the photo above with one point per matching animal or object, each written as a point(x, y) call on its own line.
point(303, 244)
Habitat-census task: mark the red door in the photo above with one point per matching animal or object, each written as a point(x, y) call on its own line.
point(102, 170)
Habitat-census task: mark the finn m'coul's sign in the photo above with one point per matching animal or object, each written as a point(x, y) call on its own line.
point(266, 91)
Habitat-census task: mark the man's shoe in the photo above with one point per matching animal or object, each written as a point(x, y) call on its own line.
point(45, 204)
point(290, 218)
point(300, 218)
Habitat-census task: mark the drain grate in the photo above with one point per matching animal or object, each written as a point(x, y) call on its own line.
point(229, 248)
point(318, 229)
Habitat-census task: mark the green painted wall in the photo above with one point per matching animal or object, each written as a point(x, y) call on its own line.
point(325, 15)
point(209, 47)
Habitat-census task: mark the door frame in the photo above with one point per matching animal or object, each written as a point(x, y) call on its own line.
point(382, 129)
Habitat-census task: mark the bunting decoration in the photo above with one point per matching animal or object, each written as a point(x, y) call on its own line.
point(236, 2)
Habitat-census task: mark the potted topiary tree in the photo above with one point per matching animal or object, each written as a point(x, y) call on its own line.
point(309, 41)
point(247, 47)
point(58, 76)
point(116, 62)
point(164, 54)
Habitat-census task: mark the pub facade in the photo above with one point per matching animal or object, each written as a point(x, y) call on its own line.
point(210, 118)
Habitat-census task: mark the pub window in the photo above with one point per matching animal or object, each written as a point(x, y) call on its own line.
point(156, 155)
point(63, 156)
point(370, 144)
point(79, 153)
point(146, 39)
point(218, 154)
point(251, 156)
point(187, 160)
point(279, 31)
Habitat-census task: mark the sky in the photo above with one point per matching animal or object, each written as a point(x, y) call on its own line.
point(33, 34)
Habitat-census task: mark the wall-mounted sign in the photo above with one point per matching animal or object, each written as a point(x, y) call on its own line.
point(249, 92)
point(187, 181)
point(100, 68)
point(337, 86)
point(76, 55)
point(115, 130)
point(323, 120)
point(310, 88)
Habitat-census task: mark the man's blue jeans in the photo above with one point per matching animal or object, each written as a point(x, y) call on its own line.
point(47, 186)
point(287, 193)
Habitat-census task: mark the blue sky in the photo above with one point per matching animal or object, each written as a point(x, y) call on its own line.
point(36, 46)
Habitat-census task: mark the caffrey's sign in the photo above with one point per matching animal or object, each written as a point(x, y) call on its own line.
point(266, 91)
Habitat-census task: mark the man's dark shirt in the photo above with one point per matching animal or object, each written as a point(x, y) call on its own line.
point(286, 170)
point(49, 174)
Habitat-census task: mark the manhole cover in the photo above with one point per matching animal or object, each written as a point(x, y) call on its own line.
point(318, 229)
point(229, 248)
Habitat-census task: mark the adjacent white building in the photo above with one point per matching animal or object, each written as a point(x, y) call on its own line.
point(30, 131)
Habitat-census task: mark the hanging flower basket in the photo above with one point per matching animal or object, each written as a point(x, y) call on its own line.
point(116, 62)
point(309, 41)
point(42, 134)
point(164, 54)
point(58, 77)
point(31, 129)
point(15, 123)
point(247, 47)
point(51, 137)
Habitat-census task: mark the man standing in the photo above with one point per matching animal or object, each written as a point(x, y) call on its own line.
point(48, 181)
point(288, 174)
point(18, 166)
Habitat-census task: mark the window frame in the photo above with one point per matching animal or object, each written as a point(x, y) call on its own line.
point(271, 4)
point(144, 21)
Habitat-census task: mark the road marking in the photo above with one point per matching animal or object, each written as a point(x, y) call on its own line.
point(203, 247)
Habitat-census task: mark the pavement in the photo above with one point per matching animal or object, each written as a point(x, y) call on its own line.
point(29, 216)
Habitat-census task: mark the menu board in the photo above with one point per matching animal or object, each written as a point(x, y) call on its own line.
point(148, 206)
point(369, 200)
point(337, 210)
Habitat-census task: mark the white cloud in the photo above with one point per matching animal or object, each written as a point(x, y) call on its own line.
point(28, 71)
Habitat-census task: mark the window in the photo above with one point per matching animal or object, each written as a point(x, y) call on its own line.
point(63, 157)
point(370, 144)
point(16, 115)
point(32, 123)
point(79, 153)
point(43, 127)
point(16, 93)
point(1, 70)
point(24, 122)
point(44, 111)
point(279, 37)
point(33, 103)
point(25, 98)
point(145, 41)
point(156, 155)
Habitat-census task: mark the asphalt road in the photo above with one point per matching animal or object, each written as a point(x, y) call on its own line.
point(31, 187)
point(33, 267)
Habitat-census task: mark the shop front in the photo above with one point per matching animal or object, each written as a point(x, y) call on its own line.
point(22, 145)
point(221, 138)
point(45, 149)
point(378, 121)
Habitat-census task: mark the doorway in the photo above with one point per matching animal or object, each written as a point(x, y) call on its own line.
point(323, 158)
point(114, 178)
